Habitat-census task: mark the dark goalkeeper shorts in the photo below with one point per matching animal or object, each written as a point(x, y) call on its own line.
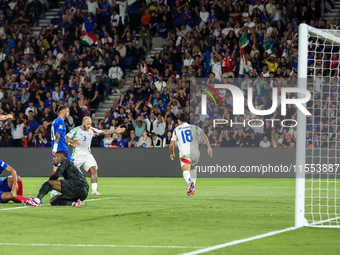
point(74, 190)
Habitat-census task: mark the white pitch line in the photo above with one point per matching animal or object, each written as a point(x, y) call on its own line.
point(103, 245)
point(88, 200)
point(219, 246)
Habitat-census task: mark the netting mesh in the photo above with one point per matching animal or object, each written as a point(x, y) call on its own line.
point(322, 192)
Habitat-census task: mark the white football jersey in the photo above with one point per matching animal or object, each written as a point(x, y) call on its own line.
point(186, 137)
point(85, 139)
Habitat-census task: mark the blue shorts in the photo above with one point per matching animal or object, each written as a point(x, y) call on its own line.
point(4, 187)
point(68, 157)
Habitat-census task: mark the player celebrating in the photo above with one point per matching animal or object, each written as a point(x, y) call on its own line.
point(11, 183)
point(186, 137)
point(73, 188)
point(81, 137)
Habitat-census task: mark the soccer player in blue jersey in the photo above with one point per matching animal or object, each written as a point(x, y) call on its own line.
point(11, 183)
point(58, 133)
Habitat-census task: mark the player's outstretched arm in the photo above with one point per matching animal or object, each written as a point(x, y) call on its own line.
point(14, 177)
point(110, 132)
point(172, 150)
point(6, 117)
point(206, 141)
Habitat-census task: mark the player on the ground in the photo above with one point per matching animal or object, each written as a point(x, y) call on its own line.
point(74, 188)
point(186, 137)
point(11, 183)
point(6, 117)
point(81, 137)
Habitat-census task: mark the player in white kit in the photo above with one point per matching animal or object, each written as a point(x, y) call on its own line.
point(189, 154)
point(80, 138)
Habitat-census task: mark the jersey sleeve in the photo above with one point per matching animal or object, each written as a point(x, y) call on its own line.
point(72, 133)
point(198, 130)
point(174, 136)
point(3, 166)
point(96, 131)
point(59, 126)
point(61, 167)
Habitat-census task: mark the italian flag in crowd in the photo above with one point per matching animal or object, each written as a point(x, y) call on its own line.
point(244, 43)
point(88, 38)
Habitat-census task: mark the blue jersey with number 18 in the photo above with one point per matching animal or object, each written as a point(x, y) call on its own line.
point(58, 126)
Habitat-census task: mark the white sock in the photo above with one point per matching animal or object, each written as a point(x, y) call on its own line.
point(193, 175)
point(186, 176)
point(94, 187)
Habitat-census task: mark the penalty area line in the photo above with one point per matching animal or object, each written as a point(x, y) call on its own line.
point(219, 246)
point(87, 200)
point(103, 245)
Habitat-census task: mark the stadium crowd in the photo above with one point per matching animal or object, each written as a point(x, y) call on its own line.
point(79, 62)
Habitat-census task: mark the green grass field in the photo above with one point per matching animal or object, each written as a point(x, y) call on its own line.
point(157, 214)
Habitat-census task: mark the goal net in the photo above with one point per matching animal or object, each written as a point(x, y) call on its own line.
point(317, 201)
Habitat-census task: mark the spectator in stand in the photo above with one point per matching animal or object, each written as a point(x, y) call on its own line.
point(132, 140)
point(265, 142)
point(156, 141)
point(17, 128)
point(92, 95)
point(139, 126)
point(31, 108)
point(116, 75)
point(40, 141)
point(213, 138)
point(225, 140)
point(252, 140)
point(120, 141)
point(107, 141)
point(288, 142)
point(167, 139)
point(144, 141)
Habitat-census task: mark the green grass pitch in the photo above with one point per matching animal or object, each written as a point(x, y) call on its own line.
point(157, 212)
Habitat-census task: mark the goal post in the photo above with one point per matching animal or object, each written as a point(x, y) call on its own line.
point(317, 190)
point(301, 128)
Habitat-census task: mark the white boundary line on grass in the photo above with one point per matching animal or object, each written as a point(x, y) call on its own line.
point(103, 245)
point(88, 200)
point(219, 246)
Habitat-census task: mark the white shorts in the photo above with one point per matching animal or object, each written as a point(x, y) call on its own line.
point(86, 163)
point(191, 159)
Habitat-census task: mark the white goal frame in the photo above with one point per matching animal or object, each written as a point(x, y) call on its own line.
point(304, 32)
